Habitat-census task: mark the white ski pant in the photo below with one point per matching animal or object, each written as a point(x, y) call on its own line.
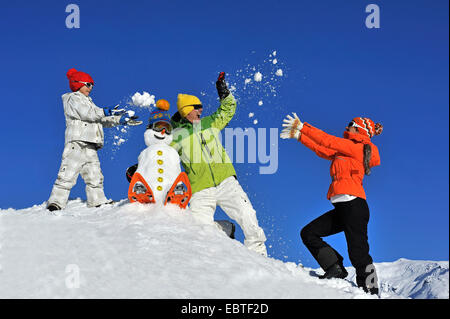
point(79, 158)
point(230, 196)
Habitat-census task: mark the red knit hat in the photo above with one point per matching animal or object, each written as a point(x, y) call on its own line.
point(367, 127)
point(73, 75)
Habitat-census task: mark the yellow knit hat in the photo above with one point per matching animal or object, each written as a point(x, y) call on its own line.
point(186, 102)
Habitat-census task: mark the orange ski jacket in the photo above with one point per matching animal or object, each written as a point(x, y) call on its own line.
point(346, 154)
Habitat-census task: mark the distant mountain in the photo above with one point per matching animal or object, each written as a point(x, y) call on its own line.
point(415, 279)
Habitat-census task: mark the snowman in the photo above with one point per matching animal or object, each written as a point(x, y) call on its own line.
point(157, 178)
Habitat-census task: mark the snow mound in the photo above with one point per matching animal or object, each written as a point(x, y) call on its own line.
point(129, 250)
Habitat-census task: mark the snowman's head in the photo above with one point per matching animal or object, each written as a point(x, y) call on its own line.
point(158, 132)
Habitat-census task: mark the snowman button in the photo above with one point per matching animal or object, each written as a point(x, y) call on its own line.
point(159, 188)
point(160, 171)
point(160, 153)
point(160, 179)
point(160, 162)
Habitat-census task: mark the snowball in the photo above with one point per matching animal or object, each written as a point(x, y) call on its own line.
point(247, 81)
point(130, 113)
point(260, 103)
point(143, 100)
point(279, 72)
point(274, 53)
point(258, 77)
point(255, 122)
point(251, 114)
point(275, 61)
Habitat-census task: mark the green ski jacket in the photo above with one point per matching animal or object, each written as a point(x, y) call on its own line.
point(202, 154)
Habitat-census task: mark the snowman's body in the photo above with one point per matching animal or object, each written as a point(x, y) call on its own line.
point(159, 164)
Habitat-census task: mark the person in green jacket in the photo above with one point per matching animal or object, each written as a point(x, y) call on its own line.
point(211, 173)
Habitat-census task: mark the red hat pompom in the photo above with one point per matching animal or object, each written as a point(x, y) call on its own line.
point(378, 128)
point(70, 73)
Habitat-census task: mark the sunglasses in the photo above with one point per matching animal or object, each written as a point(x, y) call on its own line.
point(88, 84)
point(353, 124)
point(160, 126)
point(196, 106)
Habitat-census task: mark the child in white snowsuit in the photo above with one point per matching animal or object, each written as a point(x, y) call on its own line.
point(83, 137)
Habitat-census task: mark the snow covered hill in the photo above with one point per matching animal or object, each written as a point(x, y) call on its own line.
point(137, 251)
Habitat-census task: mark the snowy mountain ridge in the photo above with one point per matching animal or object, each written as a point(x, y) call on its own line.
point(415, 279)
point(138, 251)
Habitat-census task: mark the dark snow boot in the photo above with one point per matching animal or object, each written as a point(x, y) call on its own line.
point(51, 207)
point(361, 283)
point(110, 202)
point(335, 271)
point(228, 227)
point(368, 280)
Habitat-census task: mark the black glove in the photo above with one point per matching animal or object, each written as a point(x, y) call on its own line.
point(221, 86)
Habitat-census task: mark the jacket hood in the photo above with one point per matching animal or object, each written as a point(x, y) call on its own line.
point(65, 96)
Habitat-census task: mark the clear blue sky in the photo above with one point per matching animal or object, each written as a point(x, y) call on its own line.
point(335, 69)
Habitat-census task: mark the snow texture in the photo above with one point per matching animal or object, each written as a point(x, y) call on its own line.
point(258, 77)
point(129, 250)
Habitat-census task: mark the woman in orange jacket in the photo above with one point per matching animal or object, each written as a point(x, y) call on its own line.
point(352, 157)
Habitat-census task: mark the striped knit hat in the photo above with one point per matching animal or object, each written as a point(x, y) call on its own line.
point(367, 127)
point(160, 114)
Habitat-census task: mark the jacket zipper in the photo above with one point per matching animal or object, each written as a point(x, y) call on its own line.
point(203, 142)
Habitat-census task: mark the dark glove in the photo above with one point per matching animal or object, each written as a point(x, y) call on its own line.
point(221, 86)
point(113, 111)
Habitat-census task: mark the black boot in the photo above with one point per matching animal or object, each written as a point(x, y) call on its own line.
point(110, 202)
point(335, 271)
point(228, 227)
point(51, 207)
point(361, 283)
point(368, 280)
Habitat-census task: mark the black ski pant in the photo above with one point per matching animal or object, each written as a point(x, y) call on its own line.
point(349, 217)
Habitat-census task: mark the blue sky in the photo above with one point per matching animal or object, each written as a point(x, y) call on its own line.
point(334, 69)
